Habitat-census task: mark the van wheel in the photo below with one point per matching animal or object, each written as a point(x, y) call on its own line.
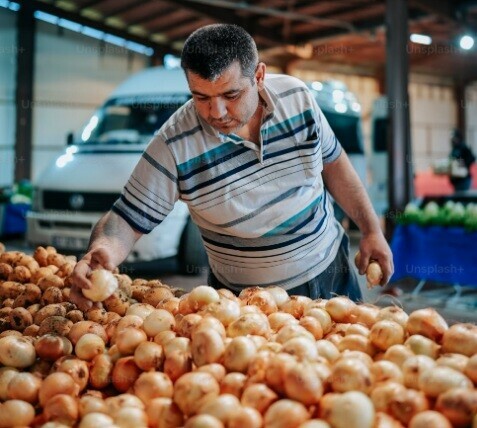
point(192, 255)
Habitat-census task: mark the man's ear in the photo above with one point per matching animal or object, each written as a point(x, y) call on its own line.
point(260, 75)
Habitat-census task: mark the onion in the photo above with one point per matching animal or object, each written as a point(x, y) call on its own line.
point(201, 296)
point(385, 393)
point(104, 284)
point(88, 346)
point(142, 310)
point(177, 364)
point(130, 417)
point(82, 327)
point(163, 337)
point(208, 323)
point(398, 354)
point(471, 368)
point(51, 347)
point(383, 420)
point(224, 292)
point(24, 387)
point(359, 410)
point(193, 389)
point(421, 345)
point(341, 309)
point(313, 326)
point(91, 404)
point(408, 404)
point(249, 309)
point(76, 368)
point(386, 333)
point(350, 374)
point(374, 274)
point(286, 414)
point(303, 384)
point(277, 368)
point(259, 396)
point(246, 417)
point(429, 418)
point(427, 322)
point(223, 407)
point(215, 369)
point(249, 324)
point(357, 329)
point(322, 316)
point(153, 385)
point(207, 347)
point(356, 342)
point(288, 332)
point(62, 408)
point(149, 356)
point(458, 405)
point(238, 354)
point(263, 300)
point(279, 295)
point(125, 373)
point(57, 383)
point(315, 423)
point(116, 403)
point(296, 306)
point(170, 305)
point(258, 366)
point(413, 367)
point(440, 379)
point(327, 350)
point(455, 361)
point(233, 383)
point(225, 310)
point(366, 314)
point(301, 347)
point(279, 319)
point(157, 321)
point(100, 371)
point(461, 339)
point(128, 339)
point(181, 344)
point(187, 324)
point(203, 421)
point(393, 313)
point(16, 352)
point(16, 413)
point(382, 371)
point(94, 420)
point(184, 305)
point(163, 413)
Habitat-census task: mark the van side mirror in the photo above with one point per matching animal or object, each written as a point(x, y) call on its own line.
point(69, 138)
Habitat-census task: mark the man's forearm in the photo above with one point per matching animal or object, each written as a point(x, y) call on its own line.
point(114, 232)
point(346, 188)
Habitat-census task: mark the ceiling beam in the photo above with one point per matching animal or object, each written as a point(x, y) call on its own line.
point(150, 16)
point(159, 49)
point(90, 3)
point(219, 15)
point(128, 8)
point(442, 8)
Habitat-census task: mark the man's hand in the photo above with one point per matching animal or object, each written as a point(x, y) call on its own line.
point(95, 259)
point(373, 246)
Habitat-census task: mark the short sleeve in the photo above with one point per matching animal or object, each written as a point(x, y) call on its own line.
point(152, 189)
point(330, 146)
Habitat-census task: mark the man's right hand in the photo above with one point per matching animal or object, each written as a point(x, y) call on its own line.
point(98, 258)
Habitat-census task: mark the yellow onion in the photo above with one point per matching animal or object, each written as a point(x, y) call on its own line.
point(279, 319)
point(256, 324)
point(16, 413)
point(225, 310)
point(383, 420)
point(94, 420)
point(341, 309)
point(290, 331)
point(163, 413)
point(128, 339)
point(427, 322)
point(322, 316)
point(313, 326)
point(470, 369)
point(215, 369)
point(460, 339)
point(398, 354)
point(286, 414)
point(442, 378)
point(385, 393)
point(76, 368)
point(207, 347)
point(366, 314)
point(279, 295)
point(51, 347)
point(176, 364)
point(203, 421)
point(296, 306)
point(24, 386)
point(16, 352)
point(455, 361)
point(407, 405)
point(303, 383)
point(209, 323)
point(130, 417)
point(158, 320)
point(125, 373)
point(429, 418)
point(264, 301)
point(233, 383)
point(357, 342)
point(186, 325)
point(177, 344)
point(149, 355)
point(360, 329)
point(223, 407)
point(421, 345)
point(238, 354)
point(350, 374)
point(393, 313)
point(201, 296)
point(276, 371)
point(315, 423)
point(359, 412)
point(152, 385)
point(142, 310)
point(100, 371)
point(383, 371)
point(193, 389)
point(57, 383)
point(246, 417)
point(301, 347)
point(259, 396)
point(413, 367)
point(62, 408)
point(91, 404)
point(386, 333)
point(458, 405)
point(327, 350)
point(88, 346)
point(118, 402)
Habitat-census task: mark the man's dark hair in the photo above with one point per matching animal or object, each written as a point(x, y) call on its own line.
point(210, 50)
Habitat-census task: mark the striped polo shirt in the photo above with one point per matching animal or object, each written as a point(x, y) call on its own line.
point(263, 211)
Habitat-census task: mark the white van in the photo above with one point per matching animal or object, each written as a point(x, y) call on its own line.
point(83, 183)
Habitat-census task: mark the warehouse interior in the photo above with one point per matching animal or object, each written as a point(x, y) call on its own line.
point(85, 85)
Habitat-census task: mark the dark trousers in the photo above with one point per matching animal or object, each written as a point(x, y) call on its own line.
point(339, 278)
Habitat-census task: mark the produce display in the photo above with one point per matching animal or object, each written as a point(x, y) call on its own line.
point(149, 355)
point(450, 214)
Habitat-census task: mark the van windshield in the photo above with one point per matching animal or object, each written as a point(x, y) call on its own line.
point(130, 120)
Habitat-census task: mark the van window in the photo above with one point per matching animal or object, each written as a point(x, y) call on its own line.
point(130, 120)
point(380, 140)
point(348, 131)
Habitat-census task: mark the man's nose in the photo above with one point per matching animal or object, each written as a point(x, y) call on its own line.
point(218, 108)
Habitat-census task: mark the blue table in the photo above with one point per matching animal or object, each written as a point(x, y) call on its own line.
point(435, 253)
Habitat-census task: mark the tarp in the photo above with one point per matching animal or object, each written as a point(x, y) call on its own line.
point(436, 253)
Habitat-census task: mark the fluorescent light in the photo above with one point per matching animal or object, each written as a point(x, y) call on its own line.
point(69, 25)
point(338, 95)
point(422, 39)
point(42, 16)
point(341, 108)
point(317, 86)
point(466, 42)
point(91, 32)
point(10, 5)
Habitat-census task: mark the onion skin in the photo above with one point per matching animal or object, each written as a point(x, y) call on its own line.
point(16, 352)
point(440, 379)
point(350, 374)
point(24, 386)
point(125, 373)
point(461, 339)
point(62, 408)
point(259, 396)
point(349, 410)
point(429, 418)
point(57, 383)
point(164, 413)
point(470, 369)
point(193, 389)
point(233, 383)
point(408, 404)
point(16, 413)
point(303, 384)
point(246, 417)
point(152, 385)
point(413, 367)
point(458, 406)
point(385, 334)
point(341, 309)
point(203, 421)
point(286, 414)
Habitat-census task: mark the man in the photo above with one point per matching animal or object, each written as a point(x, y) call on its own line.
point(464, 158)
point(251, 156)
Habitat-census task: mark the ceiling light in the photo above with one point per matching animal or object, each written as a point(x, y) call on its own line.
point(466, 42)
point(422, 39)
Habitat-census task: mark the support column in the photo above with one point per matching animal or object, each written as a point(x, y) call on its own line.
point(459, 95)
point(24, 91)
point(400, 174)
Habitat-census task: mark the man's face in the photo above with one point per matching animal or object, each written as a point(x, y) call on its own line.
point(229, 102)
